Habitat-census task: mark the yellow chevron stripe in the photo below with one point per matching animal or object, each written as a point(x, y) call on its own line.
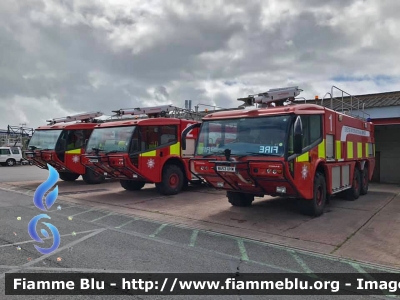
point(75, 151)
point(175, 149)
point(149, 154)
point(321, 150)
point(359, 150)
point(350, 150)
point(303, 157)
point(338, 149)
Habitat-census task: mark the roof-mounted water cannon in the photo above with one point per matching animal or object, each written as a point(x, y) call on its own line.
point(151, 111)
point(272, 98)
point(84, 118)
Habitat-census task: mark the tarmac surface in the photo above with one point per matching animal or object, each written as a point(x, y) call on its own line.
point(100, 233)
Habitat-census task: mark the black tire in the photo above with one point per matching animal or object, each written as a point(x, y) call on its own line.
point(240, 199)
point(315, 206)
point(68, 176)
point(172, 180)
point(131, 185)
point(353, 193)
point(10, 162)
point(90, 177)
point(364, 181)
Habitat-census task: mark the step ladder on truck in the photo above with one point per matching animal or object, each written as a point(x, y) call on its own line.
point(146, 149)
point(60, 144)
point(288, 148)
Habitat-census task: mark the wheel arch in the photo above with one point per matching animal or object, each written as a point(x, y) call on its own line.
point(178, 162)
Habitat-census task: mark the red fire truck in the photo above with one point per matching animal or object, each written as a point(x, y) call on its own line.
point(61, 143)
point(283, 148)
point(144, 150)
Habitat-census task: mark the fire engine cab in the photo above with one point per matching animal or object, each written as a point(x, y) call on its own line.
point(61, 143)
point(286, 148)
point(146, 149)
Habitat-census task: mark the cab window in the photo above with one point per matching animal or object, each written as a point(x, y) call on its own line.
point(312, 131)
point(155, 136)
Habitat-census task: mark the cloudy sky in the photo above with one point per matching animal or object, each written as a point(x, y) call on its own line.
point(59, 57)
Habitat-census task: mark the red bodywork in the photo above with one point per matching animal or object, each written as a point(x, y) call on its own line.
point(65, 160)
point(145, 165)
point(344, 143)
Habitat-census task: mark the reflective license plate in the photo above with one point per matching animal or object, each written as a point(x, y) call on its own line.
point(93, 160)
point(226, 169)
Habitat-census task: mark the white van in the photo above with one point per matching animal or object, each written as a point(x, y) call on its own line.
point(10, 156)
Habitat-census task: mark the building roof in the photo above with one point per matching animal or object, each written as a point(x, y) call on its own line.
point(370, 100)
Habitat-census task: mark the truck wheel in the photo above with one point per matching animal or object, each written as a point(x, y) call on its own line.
point(68, 176)
point(91, 177)
point(10, 162)
point(172, 180)
point(364, 181)
point(131, 185)
point(315, 206)
point(239, 199)
point(354, 192)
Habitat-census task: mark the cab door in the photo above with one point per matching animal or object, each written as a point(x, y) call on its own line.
point(150, 156)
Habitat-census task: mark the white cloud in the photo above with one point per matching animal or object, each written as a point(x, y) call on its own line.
point(65, 57)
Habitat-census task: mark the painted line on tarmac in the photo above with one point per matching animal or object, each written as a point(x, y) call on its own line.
point(193, 238)
point(7, 267)
point(301, 251)
point(362, 271)
point(110, 214)
point(302, 263)
point(242, 250)
point(32, 241)
point(261, 243)
point(126, 223)
point(287, 249)
point(32, 262)
point(201, 250)
point(82, 212)
point(158, 230)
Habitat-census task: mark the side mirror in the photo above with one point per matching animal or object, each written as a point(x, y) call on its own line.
point(298, 136)
point(185, 132)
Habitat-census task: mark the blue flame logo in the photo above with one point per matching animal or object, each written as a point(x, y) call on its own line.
point(49, 201)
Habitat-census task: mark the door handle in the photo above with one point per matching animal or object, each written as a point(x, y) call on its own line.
point(161, 154)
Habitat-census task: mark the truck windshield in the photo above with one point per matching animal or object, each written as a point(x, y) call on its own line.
point(44, 139)
point(245, 136)
point(110, 139)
